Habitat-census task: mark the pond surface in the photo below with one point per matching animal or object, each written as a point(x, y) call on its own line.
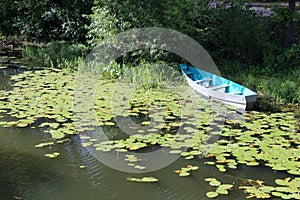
point(25, 173)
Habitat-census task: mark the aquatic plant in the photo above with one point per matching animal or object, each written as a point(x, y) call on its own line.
point(287, 188)
point(220, 188)
point(162, 118)
point(143, 180)
point(185, 171)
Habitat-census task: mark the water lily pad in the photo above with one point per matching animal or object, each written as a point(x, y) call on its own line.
point(294, 171)
point(56, 134)
point(191, 167)
point(281, 182)
point(215, 183)
point(225, 186)
point(267, 189)
point(44, 144)
point(210, 179)
point(146, 123)
point(221, 191)
point(109, 123)
point(184, 173)
point(143, 179)
point(277, 194)
point(209, 163)
point(212, 194)
point(53, 155)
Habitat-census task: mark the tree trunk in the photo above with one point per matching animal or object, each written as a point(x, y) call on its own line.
point(290, 29)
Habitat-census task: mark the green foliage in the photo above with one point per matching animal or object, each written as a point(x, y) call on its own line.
point(277, 60)
point(103, 25)
point(235, 36)
point(150, 75)
point(44, 19)
point(112, 71)
point(275, 88)
point(58, 54)
point(243, 35)
point(110, 17)
point(233, 33)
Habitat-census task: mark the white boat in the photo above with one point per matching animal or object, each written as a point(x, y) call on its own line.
point(215, 87)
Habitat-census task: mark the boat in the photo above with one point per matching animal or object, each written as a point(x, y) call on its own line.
point(221, 89)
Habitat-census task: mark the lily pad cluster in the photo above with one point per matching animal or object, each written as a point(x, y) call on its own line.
point(287, 188)
point(45, 98)
point(186, 171)
point(220, 188)
point(51, 143)
point(133, 161)
point(261, 139)
point(42, 96)
point(178, 121)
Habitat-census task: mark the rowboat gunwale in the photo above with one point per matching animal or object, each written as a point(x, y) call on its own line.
point(238, 96)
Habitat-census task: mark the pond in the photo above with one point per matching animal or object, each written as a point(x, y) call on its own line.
point(26, 173)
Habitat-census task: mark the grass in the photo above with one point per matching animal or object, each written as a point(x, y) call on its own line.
point(57, 54)
point(275, 89)
point(152, 75)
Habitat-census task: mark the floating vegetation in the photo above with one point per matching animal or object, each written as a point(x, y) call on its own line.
point(44, 144)
point(51, 143)
point(185, 171)
point(179, 122)
point(259, 139)
point(143, 180)
point(45, 99)
point(287, 188)
point(212, 194)
point(52, 155)
point(220, 188)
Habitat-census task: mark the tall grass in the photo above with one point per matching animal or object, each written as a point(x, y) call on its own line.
point(273, 90)
point(152, 75)
point(58, 54)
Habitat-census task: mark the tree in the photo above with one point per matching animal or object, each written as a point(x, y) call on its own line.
point(48, 19)
point(290, 29)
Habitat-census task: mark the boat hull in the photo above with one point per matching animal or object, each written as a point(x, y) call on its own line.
point(241, 102)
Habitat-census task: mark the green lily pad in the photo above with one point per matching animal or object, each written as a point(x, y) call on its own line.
point(184, 173)
point(215, 183)
point(225, 186)
point(53, 155)
point(146, 123)
point(212, 194)
point(143, 179)
point(44, 144)
point(277, 194)
point(210, 179)
point(221, 191)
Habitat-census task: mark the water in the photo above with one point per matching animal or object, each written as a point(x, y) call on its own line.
point(25, 173)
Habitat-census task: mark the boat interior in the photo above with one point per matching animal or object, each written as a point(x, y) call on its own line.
point(214, 82)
